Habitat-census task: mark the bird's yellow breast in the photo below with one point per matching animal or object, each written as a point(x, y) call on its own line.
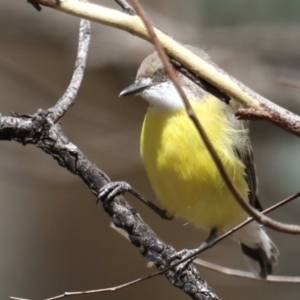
point(181, 170)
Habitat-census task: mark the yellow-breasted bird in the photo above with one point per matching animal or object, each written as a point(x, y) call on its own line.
point(180, 168)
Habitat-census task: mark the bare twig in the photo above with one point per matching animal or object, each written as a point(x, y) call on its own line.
point(171, 74)
point(128, 9)
point(197, 261)
point(234, 272)
point(278, 226)
point(228, 233)
point(68, 98)
point(239, 273)
point(266, 211)
point(200, 262)
point(217, 77)
point(289, 83)
point(252, 114)
point(78, 293)
point(244, 274)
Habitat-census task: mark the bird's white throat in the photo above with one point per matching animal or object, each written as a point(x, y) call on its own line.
point(164, 96)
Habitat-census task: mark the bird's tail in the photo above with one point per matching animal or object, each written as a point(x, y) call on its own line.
point(260, 252)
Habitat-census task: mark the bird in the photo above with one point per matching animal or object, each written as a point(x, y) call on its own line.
point(180, 168)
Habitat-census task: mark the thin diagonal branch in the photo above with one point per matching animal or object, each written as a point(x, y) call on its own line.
point(68, 98)
point(238, 227)
point(228, 233)
point(244, 274)
point(200, 262)
point(278, 226)
point(98, 291)
point(228, 271)
point(289, 83)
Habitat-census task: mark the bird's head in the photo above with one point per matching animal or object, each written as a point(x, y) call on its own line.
point(154, 85)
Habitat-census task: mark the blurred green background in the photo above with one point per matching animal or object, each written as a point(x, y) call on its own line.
point(53, 237)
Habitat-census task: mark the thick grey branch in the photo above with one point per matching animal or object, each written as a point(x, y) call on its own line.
point(39, 130)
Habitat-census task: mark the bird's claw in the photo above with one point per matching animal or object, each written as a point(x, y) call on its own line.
point(182, 255)
point(112, 189)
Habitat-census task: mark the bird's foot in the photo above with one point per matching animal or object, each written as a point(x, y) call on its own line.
point(183, 256)
point(112, 189)
point(187, 256)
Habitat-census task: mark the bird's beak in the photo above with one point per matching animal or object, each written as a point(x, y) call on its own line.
point(134, 88)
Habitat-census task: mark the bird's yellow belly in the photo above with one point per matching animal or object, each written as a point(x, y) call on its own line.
point(183, 174)
point(205, 202)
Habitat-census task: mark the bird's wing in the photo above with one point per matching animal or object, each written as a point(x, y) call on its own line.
point(247, 159)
